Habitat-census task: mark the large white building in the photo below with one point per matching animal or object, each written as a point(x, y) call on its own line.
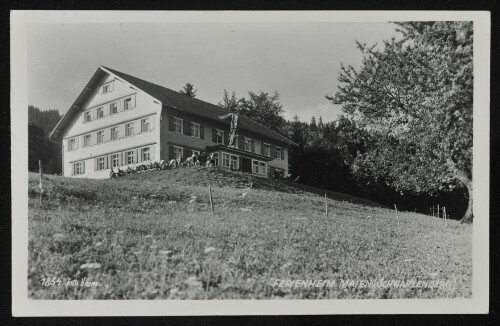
point(119, 120)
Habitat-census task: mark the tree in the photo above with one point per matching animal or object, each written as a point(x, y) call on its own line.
point(265, 109)
point(188, 90)
point(414, 97)
point(230, 102)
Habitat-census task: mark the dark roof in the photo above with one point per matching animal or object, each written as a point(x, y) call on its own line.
point(191, 105)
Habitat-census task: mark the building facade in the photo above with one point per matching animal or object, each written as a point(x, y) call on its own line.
point(119, 121)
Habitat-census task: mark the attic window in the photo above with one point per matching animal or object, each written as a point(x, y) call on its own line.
point(107, 88)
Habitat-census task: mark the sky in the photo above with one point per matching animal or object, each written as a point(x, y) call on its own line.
point(299, 60)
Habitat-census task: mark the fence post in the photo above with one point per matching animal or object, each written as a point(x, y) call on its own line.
point(445, 217)
point(211, 201)
point(437, 212)
point(397, 215)
point(40, 185)
point(326, 207)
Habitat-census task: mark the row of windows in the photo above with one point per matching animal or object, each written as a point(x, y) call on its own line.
point(114, 160)
point(113, 133)
point(218, 137)
point(100, 112)
point(179, 128)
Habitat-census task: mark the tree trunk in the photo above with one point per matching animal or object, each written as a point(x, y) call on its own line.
point(468, 216)
point(464, 179)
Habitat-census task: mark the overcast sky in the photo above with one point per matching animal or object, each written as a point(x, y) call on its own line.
point(298, 60)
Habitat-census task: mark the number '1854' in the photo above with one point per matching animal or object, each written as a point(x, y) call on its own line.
point(51, 281)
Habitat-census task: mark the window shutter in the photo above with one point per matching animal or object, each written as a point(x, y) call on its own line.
point(107, 135)
point(132, 102)
point(136, 156)
point(202, 132)
point(152, 123)
point(187, 127)
point(73, 169)
point(262, 148)
point(108, 158)
point(122, 158)
point(241, 142)
point(77, 143)
point(273, 151)
point(152, 152)
point(226, 138)
point(214, 135)
point(83, 167)
point(95, 164)
point(171, 123)
point(252, 142)
point(171, 154)
point(112, 86)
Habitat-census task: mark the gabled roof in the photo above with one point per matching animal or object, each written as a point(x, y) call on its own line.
point(194, 106)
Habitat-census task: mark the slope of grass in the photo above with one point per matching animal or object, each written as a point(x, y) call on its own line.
point(153, 236)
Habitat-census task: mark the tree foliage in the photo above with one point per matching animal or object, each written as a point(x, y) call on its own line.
point(264, 108)
point(414, 97)
point(188, 90)
point(40, 125)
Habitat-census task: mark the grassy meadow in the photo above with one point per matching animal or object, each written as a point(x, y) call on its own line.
point(153, 236)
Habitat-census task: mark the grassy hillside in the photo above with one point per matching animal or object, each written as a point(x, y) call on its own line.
point(153, 236)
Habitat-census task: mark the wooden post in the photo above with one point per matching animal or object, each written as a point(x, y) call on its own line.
point(211, 201)
point(40, 185)
point(397, 215)
point(445, 217)
point(326, 207)
point(437, 212)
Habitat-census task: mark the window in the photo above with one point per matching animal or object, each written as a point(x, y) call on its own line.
point(145, 154)
point(230, 161)
point(195, 130)
point(100, 136)
point(107, 88)
point(113, 108)
point(129, 129)
point(259, 167)
point(114, 133)
point(178, 152)
point(248, 144)
point(101, 163)
point(129, 157)
point(87, 116)
point(145, 125)
point(178, 125)
point(115, 160)
point(86, 140)
point(219, 136)
point(225, 160)
point(216, 159)
point(100, 112)
point(127, 104)
point(234, 162)
point(78, 168)
point(72, 144)
point(267, 149)
point(279, 153)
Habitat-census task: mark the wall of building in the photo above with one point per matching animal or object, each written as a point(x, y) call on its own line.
point(144, 107)
point(169, 137)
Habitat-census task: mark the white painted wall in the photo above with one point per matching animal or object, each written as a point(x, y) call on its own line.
point(145, 106)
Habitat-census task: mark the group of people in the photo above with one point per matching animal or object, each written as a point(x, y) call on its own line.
point(194, 160)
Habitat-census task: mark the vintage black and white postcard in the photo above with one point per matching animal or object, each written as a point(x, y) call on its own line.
point(201, 163)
